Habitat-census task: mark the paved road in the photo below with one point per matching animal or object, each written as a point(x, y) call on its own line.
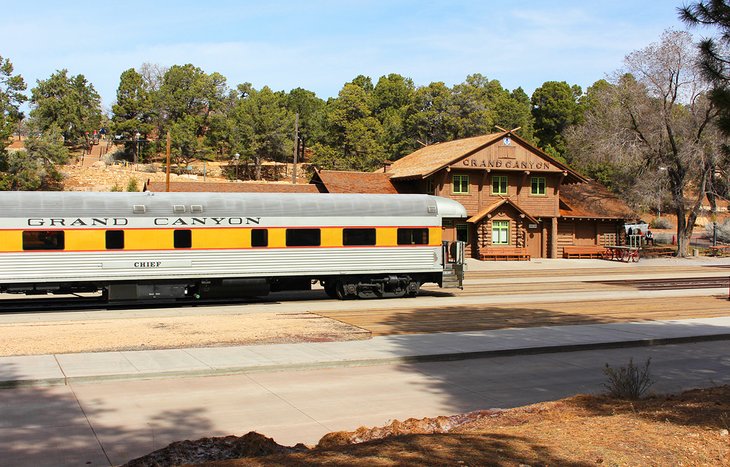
point(113, 422)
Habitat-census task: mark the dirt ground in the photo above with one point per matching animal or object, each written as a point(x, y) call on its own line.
point(686, 429)
point(45, 336)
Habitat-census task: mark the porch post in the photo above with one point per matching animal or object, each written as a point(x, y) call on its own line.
point(553, 250)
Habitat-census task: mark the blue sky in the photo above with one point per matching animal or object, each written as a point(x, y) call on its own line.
point(321, 44)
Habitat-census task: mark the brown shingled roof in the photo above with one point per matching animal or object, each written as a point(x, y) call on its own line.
point(481, 214)
point(430, 159)
point(244, 187)
point(592, 200)
point(338, 181)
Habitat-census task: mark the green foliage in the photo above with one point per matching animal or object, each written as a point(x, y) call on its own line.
point(431, 120)
point(714, 52)
point(132, 185)
point(11, 96)
point(35, 167)
point(514, 110)
point(68, 102)
point(133, 111)
point(359, 129)
point(263, 127)
point(628, 382)
point(555, 107)
point(115, 188)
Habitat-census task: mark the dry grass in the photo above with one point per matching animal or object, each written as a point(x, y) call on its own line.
point(170, 332)
point(688, 429)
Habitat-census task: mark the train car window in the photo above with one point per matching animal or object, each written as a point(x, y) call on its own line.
point(259, 237)
point(183, 239)
point(43, 240)
point(353, 237)
point(114, 239)
point(303, 237)
point(412, 236)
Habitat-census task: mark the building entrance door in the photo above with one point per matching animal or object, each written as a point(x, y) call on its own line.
point(534, 243)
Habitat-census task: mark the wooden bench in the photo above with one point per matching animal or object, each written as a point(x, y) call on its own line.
point(584, 252)
point(504, 254)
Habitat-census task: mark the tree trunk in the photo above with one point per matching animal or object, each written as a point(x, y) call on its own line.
point(257, 167)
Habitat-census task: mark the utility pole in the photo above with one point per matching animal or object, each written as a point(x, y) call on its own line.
point(296, 149)
point(167, 172)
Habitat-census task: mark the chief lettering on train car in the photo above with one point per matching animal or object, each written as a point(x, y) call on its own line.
point(122, 221)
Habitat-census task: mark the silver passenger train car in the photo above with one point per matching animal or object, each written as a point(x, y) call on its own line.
point(172, 246)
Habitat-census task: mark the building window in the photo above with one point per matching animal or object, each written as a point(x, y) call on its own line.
point(303, 237)
point(499, 184)
point(538, 186)
point(43, 240)
point(461, 184)
point(183, 238)
point(358, 237)
point(114, 239)
point(462, 233)
point(500, 232)
point(259, 238)
point(412, 236)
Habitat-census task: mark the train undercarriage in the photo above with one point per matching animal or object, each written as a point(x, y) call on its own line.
point(340, 287)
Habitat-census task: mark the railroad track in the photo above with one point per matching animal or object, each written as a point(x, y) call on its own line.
point(672, 283)
point(585, 286)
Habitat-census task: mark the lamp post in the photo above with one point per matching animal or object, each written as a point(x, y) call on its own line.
point(236, 156)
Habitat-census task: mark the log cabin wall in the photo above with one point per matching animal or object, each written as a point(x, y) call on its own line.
point(482, 173)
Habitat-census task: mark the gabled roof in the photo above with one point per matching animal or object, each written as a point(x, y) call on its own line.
point(483, 213)
point(592, 200)
point(432, 158)
point(338, 181)
point(233, 187)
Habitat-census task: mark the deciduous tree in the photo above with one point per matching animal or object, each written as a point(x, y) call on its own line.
point(657, 120)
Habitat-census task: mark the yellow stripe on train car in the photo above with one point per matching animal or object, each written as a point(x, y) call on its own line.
point(331, 237)
point(221, 238)
point(386, 236)
point(11, 240)
point(148, 239)
point(434, 236)
point(85, 240)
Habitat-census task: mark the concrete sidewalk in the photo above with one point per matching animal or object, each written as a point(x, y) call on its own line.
point(61, 369)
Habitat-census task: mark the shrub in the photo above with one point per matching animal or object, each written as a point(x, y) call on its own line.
point(660, 223)
point(132, 185)
point(116, 187)
point(628, 382)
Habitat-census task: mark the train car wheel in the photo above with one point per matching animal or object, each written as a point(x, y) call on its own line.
point(412, 288)
point(345, 290)
point(330, 288)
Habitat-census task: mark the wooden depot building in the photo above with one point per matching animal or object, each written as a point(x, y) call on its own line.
point(521, 202)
